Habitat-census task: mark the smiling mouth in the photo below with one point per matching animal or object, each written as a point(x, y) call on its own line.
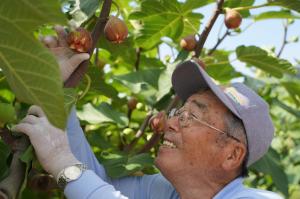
point(169, 144)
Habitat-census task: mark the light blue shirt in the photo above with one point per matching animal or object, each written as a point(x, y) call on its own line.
point(95, 184)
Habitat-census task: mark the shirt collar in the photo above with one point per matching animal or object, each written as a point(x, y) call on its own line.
point(230, 189)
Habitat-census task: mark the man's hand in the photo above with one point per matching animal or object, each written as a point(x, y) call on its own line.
point(67, 59)
point(50, 143)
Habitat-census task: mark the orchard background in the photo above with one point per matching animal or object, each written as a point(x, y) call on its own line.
point(137, 70)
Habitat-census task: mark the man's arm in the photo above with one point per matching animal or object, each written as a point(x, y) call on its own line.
point(148, 186)
point(80, 147)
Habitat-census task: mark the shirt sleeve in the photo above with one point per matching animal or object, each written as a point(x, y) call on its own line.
point(90, 186)
point(94, 183)
point(80, 147)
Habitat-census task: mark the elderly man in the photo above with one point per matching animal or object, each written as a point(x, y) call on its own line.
point(208, 143)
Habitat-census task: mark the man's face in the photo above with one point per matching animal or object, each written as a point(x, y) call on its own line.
point(196, 149)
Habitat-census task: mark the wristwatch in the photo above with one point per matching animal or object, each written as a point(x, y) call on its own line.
point(69, 174)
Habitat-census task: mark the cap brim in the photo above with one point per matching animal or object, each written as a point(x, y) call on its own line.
point(189, 78)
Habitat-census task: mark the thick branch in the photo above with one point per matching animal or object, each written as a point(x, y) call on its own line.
point(207, 29)
point(156, 136)
point(97, 31)
point(9, 187)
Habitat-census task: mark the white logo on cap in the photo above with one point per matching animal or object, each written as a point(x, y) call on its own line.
point(236, 96)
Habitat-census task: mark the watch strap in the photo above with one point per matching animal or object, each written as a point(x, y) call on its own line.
point(62, 180)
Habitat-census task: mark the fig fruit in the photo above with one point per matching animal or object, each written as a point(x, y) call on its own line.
point(132, 102)
point(80, 40)
point(233, 19)
point(115, 30)
point(158, 122)
point(188, 43)
point(200, 62)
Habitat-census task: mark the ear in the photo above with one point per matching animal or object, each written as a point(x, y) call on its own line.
point(234, 156)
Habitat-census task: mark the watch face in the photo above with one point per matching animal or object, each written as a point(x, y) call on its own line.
point(72, 172)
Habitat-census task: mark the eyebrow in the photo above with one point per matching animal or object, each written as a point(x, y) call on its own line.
point(200, 105)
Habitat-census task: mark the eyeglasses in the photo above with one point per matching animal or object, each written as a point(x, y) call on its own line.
point(186, 118)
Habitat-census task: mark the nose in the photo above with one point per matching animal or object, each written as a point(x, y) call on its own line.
point(172, 124)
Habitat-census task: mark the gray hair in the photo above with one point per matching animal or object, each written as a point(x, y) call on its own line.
point(235, 127)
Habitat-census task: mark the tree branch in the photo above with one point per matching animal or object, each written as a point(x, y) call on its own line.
point(138, 57)
point(9, 187)
point(207, 29)
point(284, 42)
point(97, 31)
point(220, 40)
point(139, 133)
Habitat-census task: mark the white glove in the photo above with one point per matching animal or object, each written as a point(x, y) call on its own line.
point(50, 143)
point(67, 59)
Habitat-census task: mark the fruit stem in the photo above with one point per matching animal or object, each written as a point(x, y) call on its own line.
point(207, 29)
point(87, 88)
point(250, 7)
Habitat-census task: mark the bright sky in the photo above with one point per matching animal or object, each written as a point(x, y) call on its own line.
point(265, 34)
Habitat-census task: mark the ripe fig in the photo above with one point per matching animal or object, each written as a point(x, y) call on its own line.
point(132, 102)
point(188, 43)
point(115, 30)
point(233, 19)
point(158, 122)
point(200, 62)
point(80, 40)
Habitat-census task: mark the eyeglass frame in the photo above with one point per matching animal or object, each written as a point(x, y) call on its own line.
point(173, 112)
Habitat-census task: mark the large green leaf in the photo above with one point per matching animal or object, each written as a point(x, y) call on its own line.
point(31, 71)
point(290, 4)
point(293, 87)
point(26, 158)
point(218, 66)
point(118, 165)
point(102, 113)
point(240, 3)
point(192, 4)
point(28, 14)
point(270, 164)
point(289, 109)
point(83, 9)
point(283, 14)
point(149, 76)
point(164, 18)
point(259, 58)
point(164, 81)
